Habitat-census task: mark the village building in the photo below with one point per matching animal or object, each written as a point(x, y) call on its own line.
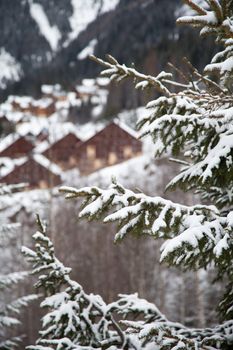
point(54, 92)
point(15, 146)
point(35, 170)
point(43, 107)
point(20, 103)
point(113, 144)
point(61, 151)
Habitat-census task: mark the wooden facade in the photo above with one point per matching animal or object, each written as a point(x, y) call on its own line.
point(18, 148)
point(61, 151)
point(110, 146)
point(33, 173)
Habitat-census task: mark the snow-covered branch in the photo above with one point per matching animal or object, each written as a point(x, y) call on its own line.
point(77, 320)
point(193, 234)
point(116, 71)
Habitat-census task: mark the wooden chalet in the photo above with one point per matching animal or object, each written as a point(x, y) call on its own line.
point(61, 151)
point(15, 146)
point(113, 144)
point(35, 170)
point(54, 92)
point(42, 108)
point(20, 104)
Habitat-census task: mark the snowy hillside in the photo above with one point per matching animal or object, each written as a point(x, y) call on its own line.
point(10, 70)
point(54, 38)
point(53, 25)
point(85, 12)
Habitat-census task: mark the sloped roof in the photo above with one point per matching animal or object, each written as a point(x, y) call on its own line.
point(8, 165)
point(117, 123)
point(46, 145)
point(46, 163)
point(126, 128)
point(9, 140)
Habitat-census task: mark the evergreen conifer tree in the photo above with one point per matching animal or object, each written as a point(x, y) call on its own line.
point(10, 312)
point(195, 123)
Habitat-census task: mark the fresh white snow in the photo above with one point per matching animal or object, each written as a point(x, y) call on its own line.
point(50, 32)
point(88, 50)
point(84, 12)
point(10, 69)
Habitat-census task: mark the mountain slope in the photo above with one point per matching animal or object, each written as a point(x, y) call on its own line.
point(49, 40)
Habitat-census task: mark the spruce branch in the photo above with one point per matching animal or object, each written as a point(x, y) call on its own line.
point(200, 10)
point(186, 229)
point(118, 72)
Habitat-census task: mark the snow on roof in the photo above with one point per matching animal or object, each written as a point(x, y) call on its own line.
point(47, 89)
point(50, 32)
point(10, 69)
point(56, 132)
point(126, 128)
point(15, 117)
point(46, 163)
point(87, 87)
point(8, 140)
point(42, 147)
point(22, 100)
point(55, 129)
point(62, 104)
point(43, 102)
point(34, 125)
point(55, 89)
point(102, 81)
point(7, 165)
point(89, 129)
